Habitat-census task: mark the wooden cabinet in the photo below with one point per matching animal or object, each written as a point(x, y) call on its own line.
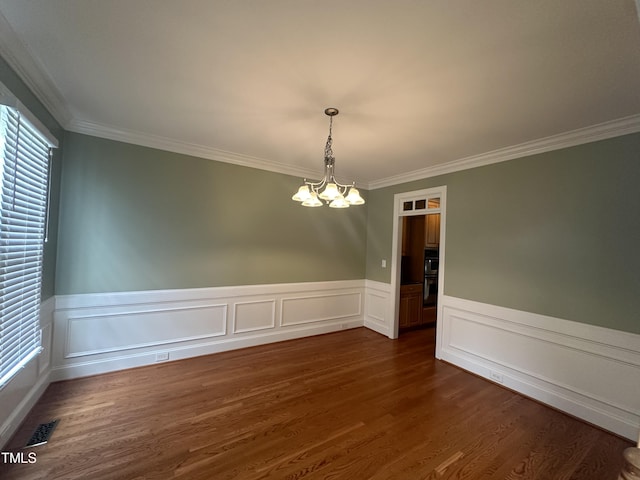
point(418, 232)
point(432, 230)
point(406, 235)
point(410, 305)
point(413, 229)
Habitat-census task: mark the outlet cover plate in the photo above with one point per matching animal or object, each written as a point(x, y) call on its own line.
point(162, 356)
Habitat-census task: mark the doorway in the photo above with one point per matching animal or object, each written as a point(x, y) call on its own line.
point(417, 263)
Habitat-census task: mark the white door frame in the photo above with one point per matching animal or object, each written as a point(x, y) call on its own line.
point(396, 251)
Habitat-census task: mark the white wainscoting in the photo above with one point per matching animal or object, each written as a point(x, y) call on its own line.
point(255, 315)
point(23, 391)
point(93, 333)
point(587, 371)
point(378, 312)
point(98, 333)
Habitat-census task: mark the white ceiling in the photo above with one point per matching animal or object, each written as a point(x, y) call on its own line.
point(422, 86)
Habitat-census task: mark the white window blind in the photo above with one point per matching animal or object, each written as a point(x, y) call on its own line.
point(24, 175)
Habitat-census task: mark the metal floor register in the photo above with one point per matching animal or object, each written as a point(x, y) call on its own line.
point(42, 434)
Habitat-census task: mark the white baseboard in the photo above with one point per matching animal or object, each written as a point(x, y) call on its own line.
point(587, 371)
point(19, 413)
point(132, 360)
point(99, 333)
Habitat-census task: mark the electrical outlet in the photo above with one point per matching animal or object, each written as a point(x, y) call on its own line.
point(162, 356)
point(384, 263)
point(496, 377)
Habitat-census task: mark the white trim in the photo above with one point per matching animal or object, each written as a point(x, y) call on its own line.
point(125, 317)
point(396, 251)
point(142, 297)
point(34, 75)
point(132, 360)
point(178, 146)
point(272, 316)
point(32, 72)
point(589, 355)
point(378, 311)
point(17, 416)
point(8, 98)
point(47, 309)
point(602, 131)
point(37, 373)
point(188, 322)
point(321, 315)
point(587, 371)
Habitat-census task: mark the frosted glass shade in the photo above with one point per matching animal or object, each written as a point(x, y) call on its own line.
point(302, 194)
point(339, 202)
point(354, 198)
point(312, 201)
point(330, 192)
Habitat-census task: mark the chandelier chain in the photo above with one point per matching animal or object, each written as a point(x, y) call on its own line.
point(328, 151)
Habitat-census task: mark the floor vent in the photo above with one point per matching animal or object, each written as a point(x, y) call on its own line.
point(42, 434)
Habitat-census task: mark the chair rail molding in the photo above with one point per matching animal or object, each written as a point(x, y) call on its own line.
point(166, 325)
point(584, 370)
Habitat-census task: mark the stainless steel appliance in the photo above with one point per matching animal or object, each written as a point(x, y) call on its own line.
point(431, 263)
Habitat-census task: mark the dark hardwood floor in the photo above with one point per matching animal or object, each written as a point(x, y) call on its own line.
point(347, 405)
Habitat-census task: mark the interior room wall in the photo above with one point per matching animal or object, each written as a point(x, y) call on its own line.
point(190, 256)
point(135, 218)
point(555, 234)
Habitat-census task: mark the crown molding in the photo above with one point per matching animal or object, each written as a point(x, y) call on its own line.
point(32, 72)
point(601, 131)
point(195, 150)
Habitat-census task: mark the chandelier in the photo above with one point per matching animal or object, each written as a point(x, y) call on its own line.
point(328, 189)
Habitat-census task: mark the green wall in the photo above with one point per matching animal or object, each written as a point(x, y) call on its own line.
point(22, 92)
point(556, 234)
point(136, 218)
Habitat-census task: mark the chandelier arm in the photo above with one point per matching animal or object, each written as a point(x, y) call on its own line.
point(316, 185)
point(344, 185)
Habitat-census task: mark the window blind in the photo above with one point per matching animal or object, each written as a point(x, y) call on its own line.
point(24, 174)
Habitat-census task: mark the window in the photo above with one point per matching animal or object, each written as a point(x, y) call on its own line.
point(24, 180)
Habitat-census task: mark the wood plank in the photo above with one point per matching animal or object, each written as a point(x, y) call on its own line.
point(352, 405)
